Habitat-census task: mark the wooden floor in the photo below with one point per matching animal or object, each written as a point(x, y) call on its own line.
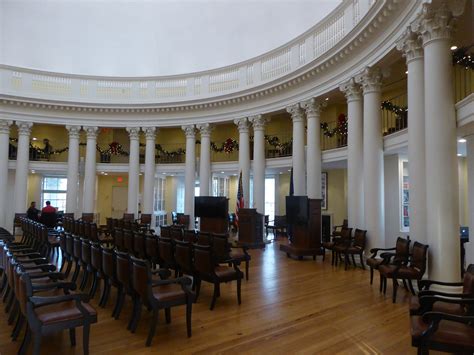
point(288, 306)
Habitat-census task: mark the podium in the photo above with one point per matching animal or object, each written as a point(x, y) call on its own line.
point(213, 213)
point(305, 230)
point(250, 228)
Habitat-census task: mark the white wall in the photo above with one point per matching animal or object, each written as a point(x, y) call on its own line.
point(144, 37)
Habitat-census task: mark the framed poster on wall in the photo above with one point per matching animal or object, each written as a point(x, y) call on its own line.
point(324, 191)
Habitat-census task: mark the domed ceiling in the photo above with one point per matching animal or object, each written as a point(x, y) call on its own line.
point(148, 37)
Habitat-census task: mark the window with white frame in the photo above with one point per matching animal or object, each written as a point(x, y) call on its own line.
point(404, 197)
point(54, 189)
point(180, 196)
point(220, 186)
point(159, 201)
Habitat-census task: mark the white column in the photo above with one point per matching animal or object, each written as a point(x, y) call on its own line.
point(470, 198)
point(298, 149)
point(205, 160)
point(244, 157)
point(150, 167)
point(4, 144)
point(22, 158)
point(258, 123)
point(73, 169)
point(412, 49)
point(355, 154)
point(189, 173)
point(373, 158)
point(313, 150)
point(442, 219)
point(133, 170)
point(90, 169)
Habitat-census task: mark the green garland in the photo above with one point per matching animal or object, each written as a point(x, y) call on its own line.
point(340, 129)
point(398, 110)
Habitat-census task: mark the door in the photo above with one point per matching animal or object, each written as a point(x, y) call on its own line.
point(119, 201)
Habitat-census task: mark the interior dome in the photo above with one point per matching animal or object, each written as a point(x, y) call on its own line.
point(147, 38)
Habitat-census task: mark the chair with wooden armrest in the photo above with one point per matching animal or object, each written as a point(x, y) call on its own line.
point(183, 253)
point(87, 217)
point(160, 294)
point(443, 332)
point(337, 230)
point(413, 270)
point(144, 221)
point(225, 253)
point(277, 226)
point(210, 271)
point(343, 239)
point(128, 217)
point(354, 246)
point(423, 302)
point(397, 254)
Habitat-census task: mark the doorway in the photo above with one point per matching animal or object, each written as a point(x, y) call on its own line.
point(119, 201)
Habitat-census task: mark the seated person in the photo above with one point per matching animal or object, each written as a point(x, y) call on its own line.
point(32, 212)
point(48, 215)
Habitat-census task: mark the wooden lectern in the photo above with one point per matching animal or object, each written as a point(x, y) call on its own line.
point(250, 228)
point(213, 213)
point(306, 237)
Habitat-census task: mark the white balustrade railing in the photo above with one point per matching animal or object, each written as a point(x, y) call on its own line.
point(272, 65)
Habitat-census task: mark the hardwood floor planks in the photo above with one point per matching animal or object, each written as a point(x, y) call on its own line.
point(288, 306)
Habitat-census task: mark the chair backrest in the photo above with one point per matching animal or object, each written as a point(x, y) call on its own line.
point(203, 259)
point(87, 230)
point(418, 259)
point(141, 279)
point(176, 233)
point(69, 244)
point(77, 243)
point(220, 247)
point(346, 233)
point(108, 263)
point(402, 250)
point(183, 219)
point(183, 254)
point(49, 219)
point(151, 246)
point(85, 251)
point(145, 218)
point(166, 251)
point(360, 238)
point(279, 221)
point(87, 217)
point(94, 233)
point(165, 231)
point(345, 223)
point(204, 238)
point(81, 229)
point(128, 216)
point(139, 244)
point(96, 256)
point(123, 268)
point(119, 238)
point(128, 240)
point(190, 236)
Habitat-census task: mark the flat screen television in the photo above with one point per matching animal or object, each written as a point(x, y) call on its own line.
point(211, 207)
point(297, 209)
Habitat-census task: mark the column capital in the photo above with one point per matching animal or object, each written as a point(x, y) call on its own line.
point(438, 22)
point(133, 132)
point(242, 124)
point(205, 129)
point(91, 132)
point(5, 126)
point(74, 131)
point(258, 122)
point(150, 132)
point(410, 45)
point(371, 80)
point(24, 128)
point(313, 107)
point(296, 112)
point(189, 131)
point(351, 90)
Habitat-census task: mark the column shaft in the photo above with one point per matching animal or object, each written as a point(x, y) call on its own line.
point(21, 173)
point(190, 172)
point(73, 169)
point(258, 123)
point(244, 157)
point(298, 150)
point(150, 167)
point(4, 143)
point(205, 160)
point(133, 170)
point(90, 170)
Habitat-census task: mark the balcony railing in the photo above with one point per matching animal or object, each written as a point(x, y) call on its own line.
point(234, 78)
point(463, 82)
point(394, 114)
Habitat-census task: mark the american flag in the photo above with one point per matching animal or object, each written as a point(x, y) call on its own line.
point(240, 199)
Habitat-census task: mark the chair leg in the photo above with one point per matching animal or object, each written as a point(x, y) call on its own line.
point(381, 283)
point(214, 296)
point(168, 315)
point(25, 342)
point(371, 276)
point(36, 343)
point(239, 287)
point(353, 260)
point(151, 332)
point(198, 288)
point(134, 312)
point(410, 284)
point(362, 261)
point(105, 294)
point(72, 336)
point(120, 301)
point(93, 289)
point(14, 312)
point(18, 327)
point(11, 298)
point(384, 285)
point(138, 313)
point(85, 338)
point(247, 270)
point(76, 272)
point(346, 260)
point(395, 287)
point(85, 278)
point(69, 267)
point(189, 307)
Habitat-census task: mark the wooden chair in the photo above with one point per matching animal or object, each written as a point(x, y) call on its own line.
point(139, 245)
point(87, 217)
point(144, 221)
point(183, 253)
point(52, 314)
point(337, 230)
point(397, 255)
point(160, 294)
point(355, 246)
point(414, 270)
point(224, 253)
point(278, 226)
point(130, 217)
point(166, 250)
point(109, 275)
point(343, 239)
point(123, 268)
point(208, 270)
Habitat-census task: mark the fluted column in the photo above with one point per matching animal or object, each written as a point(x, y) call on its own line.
point(205, 160)
point(4, 143)
point(22, 158)
point(373, 158)
point(90, 169)
point(133, 170)
point(313, 108)
point(73, 169)
point(298, 149)
point(442, 218)
point(150, 167)
point(189, 173)
point(355, 154)
point(258, 123)
point(412, 49)
point(244, 157)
